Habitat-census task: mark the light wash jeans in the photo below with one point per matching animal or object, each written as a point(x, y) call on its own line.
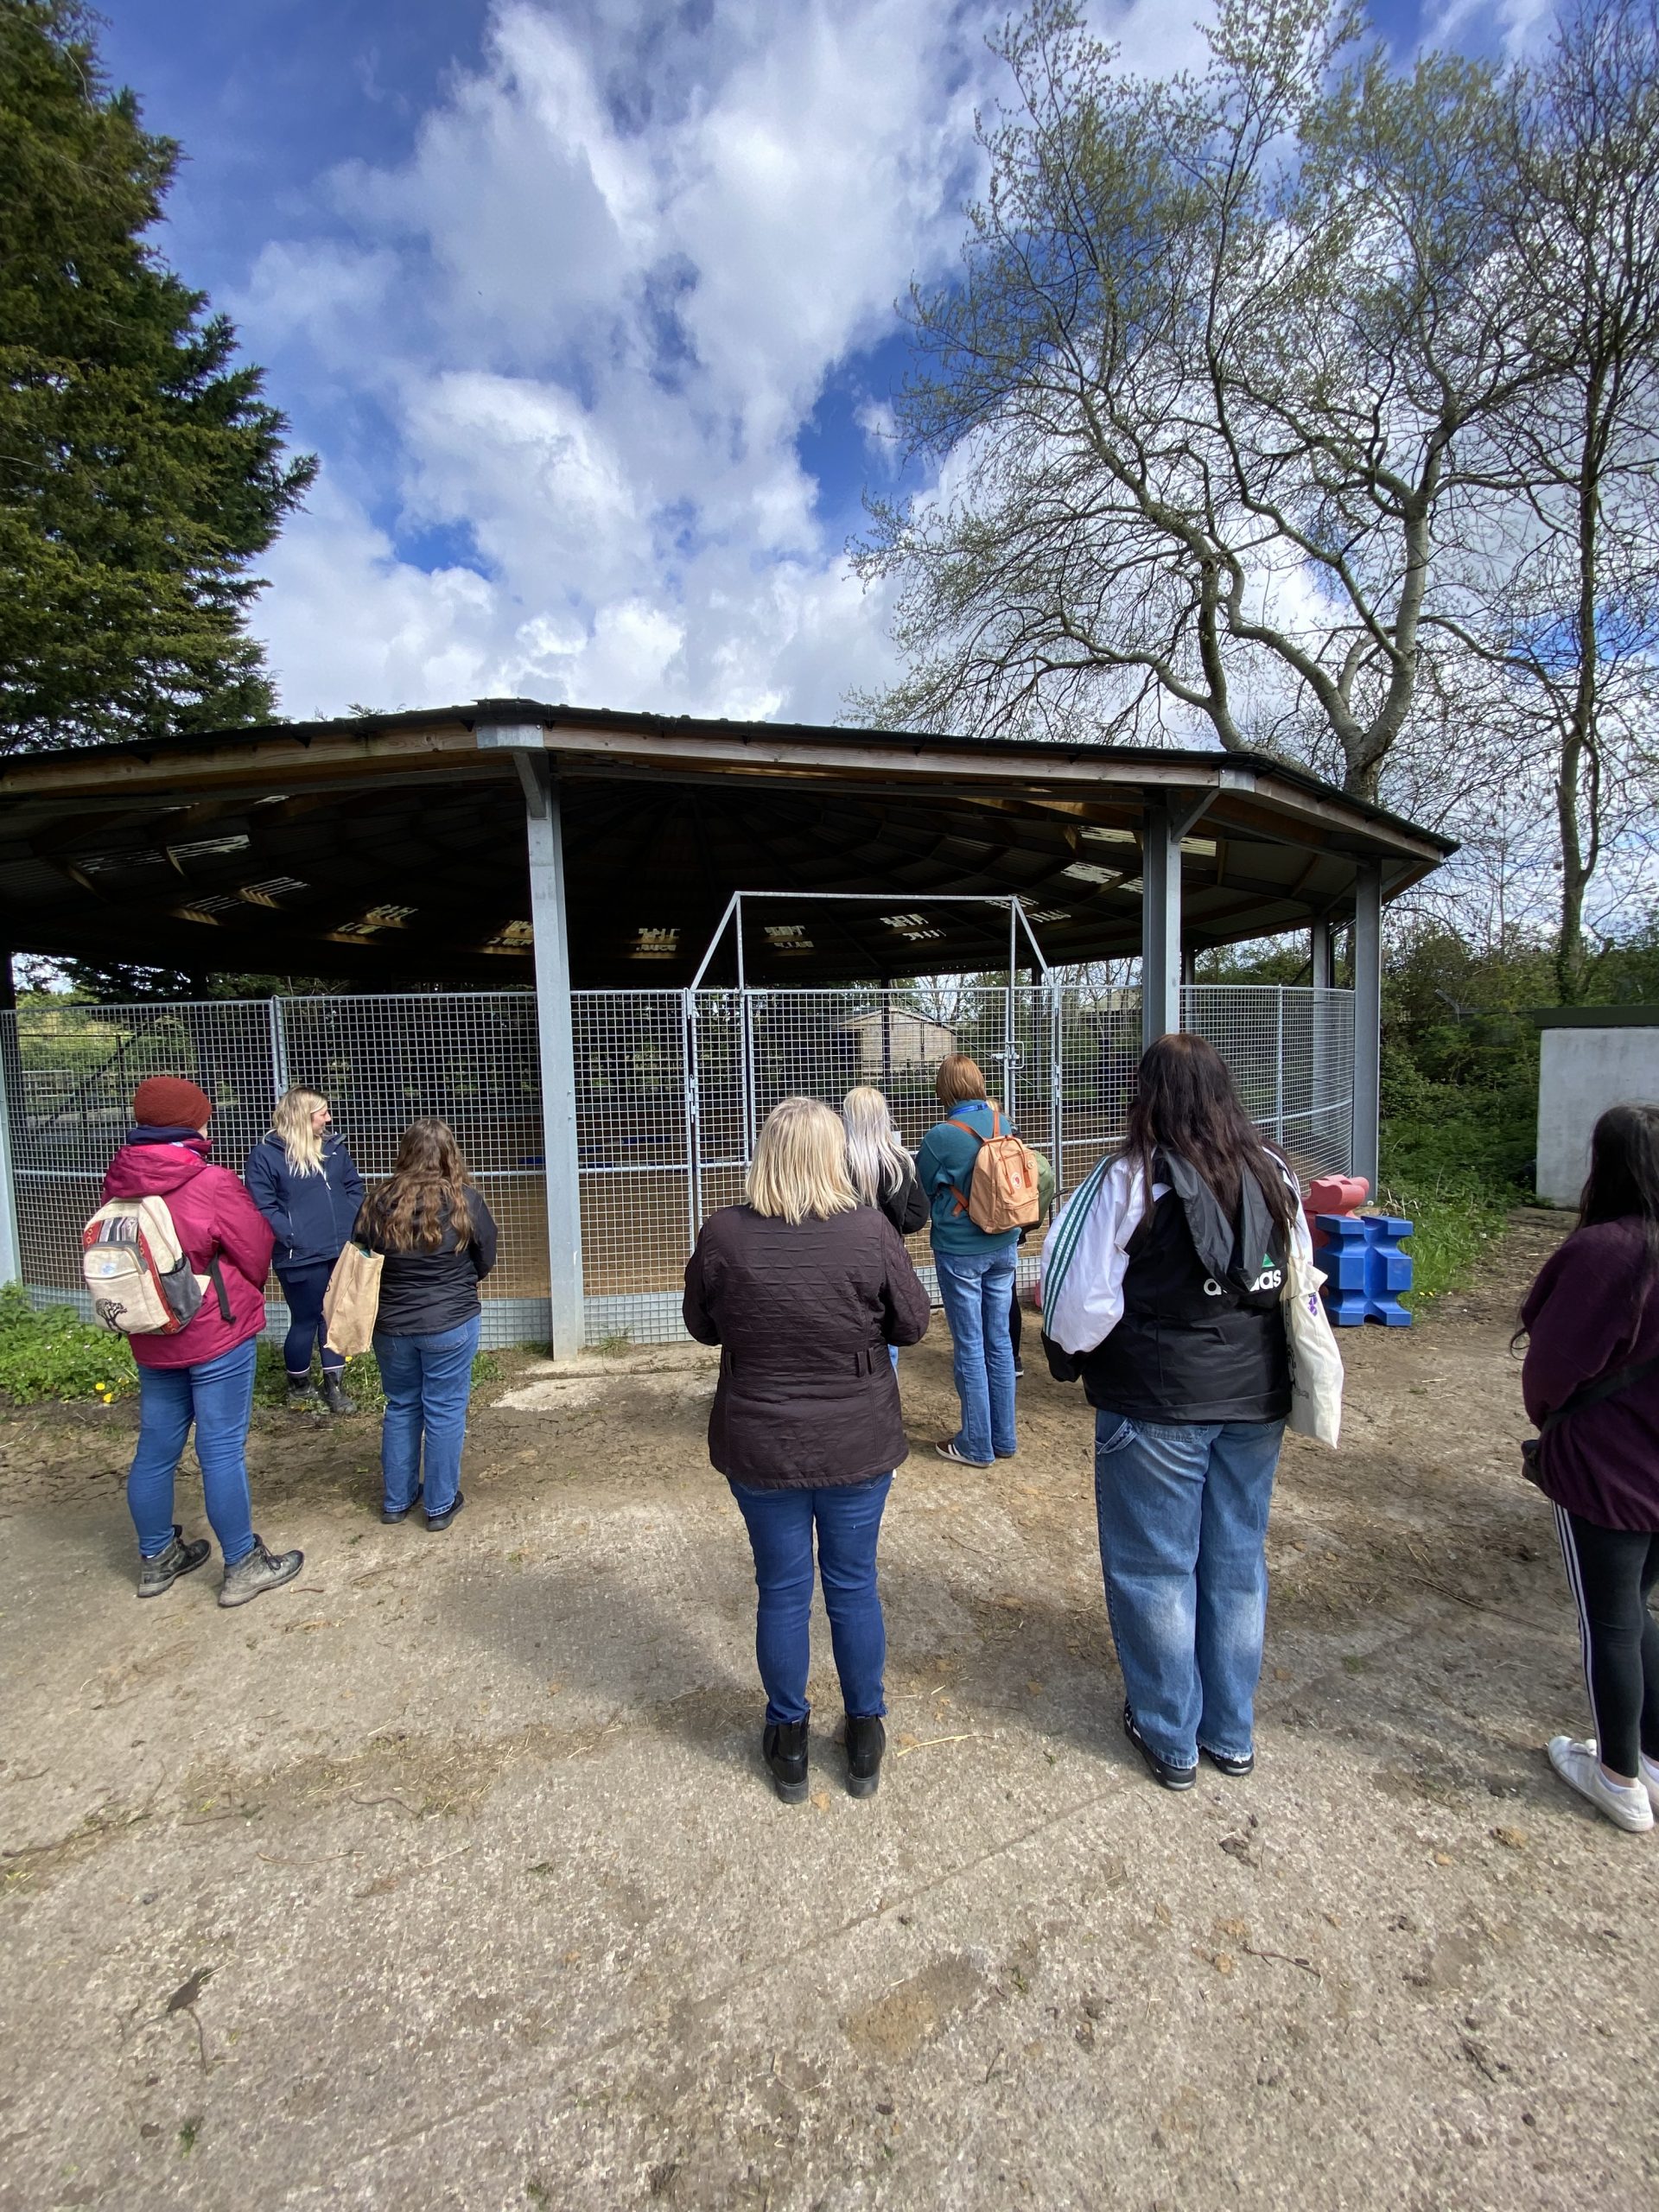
point(1183, 1514)
point(217, 1395)
point(977, 1287)
point(428, 1380)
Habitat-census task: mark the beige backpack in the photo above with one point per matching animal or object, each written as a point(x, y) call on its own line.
point(141, 1281)
point(1004, 1193)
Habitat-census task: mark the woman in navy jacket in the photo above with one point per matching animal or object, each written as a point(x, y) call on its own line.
point(306, 1184)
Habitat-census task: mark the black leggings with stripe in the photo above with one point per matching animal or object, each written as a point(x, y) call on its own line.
point(1612, 1573)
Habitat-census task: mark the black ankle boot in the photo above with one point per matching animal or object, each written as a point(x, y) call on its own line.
point(334, 1393)
point(866, 1741)
point(783, 1748)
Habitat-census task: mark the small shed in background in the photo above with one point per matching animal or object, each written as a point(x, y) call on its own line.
point(883, 1043)
point(1590, 1057)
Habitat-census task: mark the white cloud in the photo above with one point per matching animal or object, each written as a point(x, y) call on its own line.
point(580, 330)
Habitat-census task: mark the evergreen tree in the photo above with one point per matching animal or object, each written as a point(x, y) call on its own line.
point(141, 470)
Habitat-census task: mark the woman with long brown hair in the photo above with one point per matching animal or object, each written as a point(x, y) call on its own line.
point(430, 1221)
point(1591, 1384)
point(1162, 1280)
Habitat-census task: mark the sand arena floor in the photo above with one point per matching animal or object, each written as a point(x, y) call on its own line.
point(448, 1877)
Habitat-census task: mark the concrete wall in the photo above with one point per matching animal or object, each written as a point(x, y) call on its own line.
point(1582, 1072)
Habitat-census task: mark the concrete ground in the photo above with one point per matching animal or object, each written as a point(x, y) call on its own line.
point(448, 1877)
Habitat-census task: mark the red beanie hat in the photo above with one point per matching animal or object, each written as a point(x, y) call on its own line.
point(168, 1101)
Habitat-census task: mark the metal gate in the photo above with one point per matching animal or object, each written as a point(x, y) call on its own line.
point(671, 1087)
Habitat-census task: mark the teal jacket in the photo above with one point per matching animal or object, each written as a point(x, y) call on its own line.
point(944, 1167)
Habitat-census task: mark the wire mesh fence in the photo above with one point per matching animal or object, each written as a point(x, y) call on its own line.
point(671, 1087)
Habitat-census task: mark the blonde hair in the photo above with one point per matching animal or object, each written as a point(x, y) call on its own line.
point(799, 1168)
point(290, 1120)
point(876, 1161)
point(958, 1080)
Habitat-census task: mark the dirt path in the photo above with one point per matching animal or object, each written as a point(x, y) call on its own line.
point(446, 1878)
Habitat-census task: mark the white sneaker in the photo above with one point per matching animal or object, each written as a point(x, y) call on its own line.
point(1649, 1769)
point(1624, 1803)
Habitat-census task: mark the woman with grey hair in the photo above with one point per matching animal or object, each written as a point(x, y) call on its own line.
point(880, 1169)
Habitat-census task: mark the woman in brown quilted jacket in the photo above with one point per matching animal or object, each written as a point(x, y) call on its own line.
point(804, 1290)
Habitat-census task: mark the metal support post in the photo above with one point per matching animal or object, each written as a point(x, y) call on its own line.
point(1161, 927)
point(1366, 1143)
point(693, 1111)
point(556, 1036)
point(278, 1046)
point(1056, 1081)
point(1321, 1123)
point(11, 1254)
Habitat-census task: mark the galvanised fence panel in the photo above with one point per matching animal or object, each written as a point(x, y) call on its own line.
point(1292, 1055)
point(671, 1088)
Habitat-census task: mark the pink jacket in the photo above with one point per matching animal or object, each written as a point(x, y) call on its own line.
point(213, 1215)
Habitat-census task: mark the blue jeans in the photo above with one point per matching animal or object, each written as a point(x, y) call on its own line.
point(847, 1517)
point(428, 1380)
point(217, 1395)
point(977, 1287)
point(1183, 1514)
point(303, 1288)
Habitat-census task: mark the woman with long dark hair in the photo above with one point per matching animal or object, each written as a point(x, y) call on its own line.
point(430, 1221)
point(1162, 1278)
point(1591, 1383)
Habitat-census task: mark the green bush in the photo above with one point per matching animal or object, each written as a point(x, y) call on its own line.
point(50, 1352)
point(1450, 1221)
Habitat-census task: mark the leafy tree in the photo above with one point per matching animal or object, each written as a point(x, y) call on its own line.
point(1200, 392)
point(1560, 534)
point(141, 470)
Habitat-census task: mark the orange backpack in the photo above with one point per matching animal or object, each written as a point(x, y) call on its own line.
point(1003, 1192)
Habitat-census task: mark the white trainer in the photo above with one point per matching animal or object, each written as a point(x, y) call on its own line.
point(1625, 1804)
point(1650, 1778)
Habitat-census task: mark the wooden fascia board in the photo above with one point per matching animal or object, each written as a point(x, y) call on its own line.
point(279, 759)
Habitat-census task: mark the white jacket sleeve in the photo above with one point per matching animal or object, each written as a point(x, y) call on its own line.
point(1089, 1303)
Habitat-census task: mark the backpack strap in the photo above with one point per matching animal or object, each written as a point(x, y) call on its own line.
point(1611, 1386)
point(958, 1203)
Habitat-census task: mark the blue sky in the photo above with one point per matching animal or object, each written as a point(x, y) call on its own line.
point(588, 308)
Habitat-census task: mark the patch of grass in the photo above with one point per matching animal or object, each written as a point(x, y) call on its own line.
point(1452, 1223)
point(363, 1384)
point(1454, 1162)
point(613, 1347)
point(50, 1352)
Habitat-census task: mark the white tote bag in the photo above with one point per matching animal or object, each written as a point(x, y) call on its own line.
point(1315, 1362)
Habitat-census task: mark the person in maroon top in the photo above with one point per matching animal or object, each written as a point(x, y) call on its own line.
point(1591, 1384)
point(203, 1374)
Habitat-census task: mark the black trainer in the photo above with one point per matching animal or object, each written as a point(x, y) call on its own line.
point(783, 1746)
point(390, 1515)
point(161, 1573)
point(443, 1520)
point(1172, 1778)
point(1222, 1764)
point(866, 1741)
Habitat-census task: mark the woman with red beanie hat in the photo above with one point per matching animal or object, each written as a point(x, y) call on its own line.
point(203, 1374)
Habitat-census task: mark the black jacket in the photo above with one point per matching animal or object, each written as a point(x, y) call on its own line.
point(422, 1293)
point(1198, 1341)
point(906, 1208)
point(803, 1312)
